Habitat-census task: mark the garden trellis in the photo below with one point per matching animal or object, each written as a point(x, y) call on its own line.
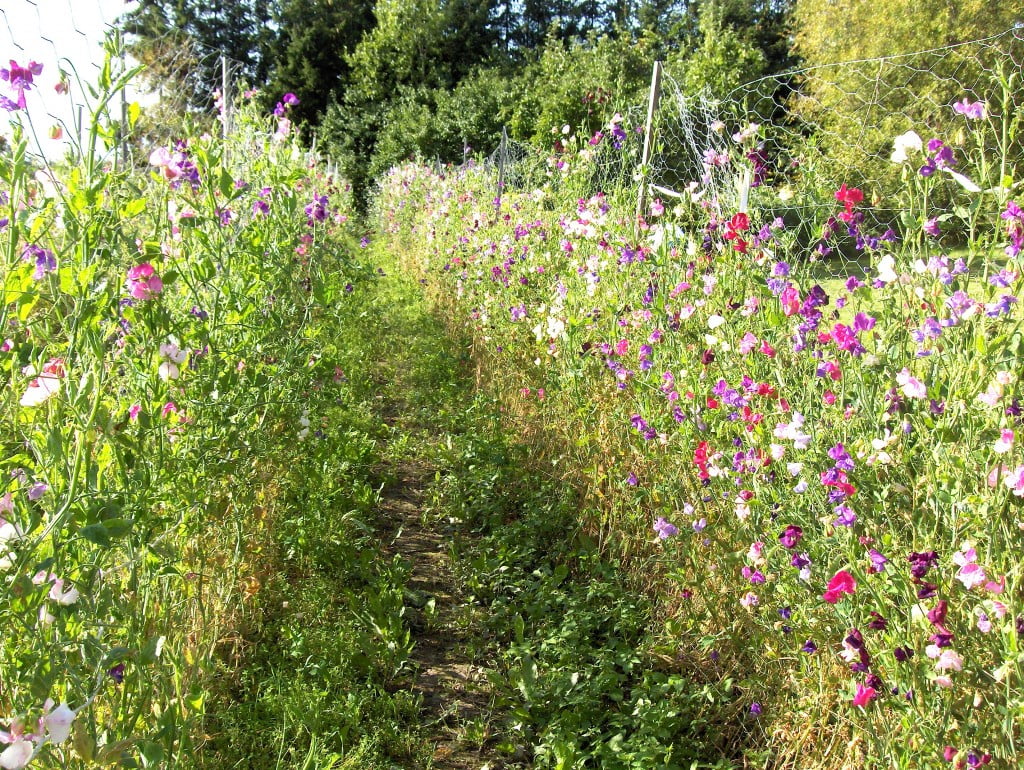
point(809, 131)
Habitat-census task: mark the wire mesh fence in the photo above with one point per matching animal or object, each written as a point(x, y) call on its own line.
point(790, 141)
point(786, 143)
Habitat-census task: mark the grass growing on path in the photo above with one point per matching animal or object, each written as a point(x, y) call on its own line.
point(429, 601)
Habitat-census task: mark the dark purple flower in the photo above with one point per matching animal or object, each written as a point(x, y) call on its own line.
point(927, 590)
point(809, 647)
point(920, 563)
point(903, 654)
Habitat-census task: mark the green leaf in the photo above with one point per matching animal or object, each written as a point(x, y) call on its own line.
point(134, 207)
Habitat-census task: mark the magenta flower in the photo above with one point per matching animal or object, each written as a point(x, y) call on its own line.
point(864, 695)
point(791, 536)
point(20, 80)
point(841, 583)
point(143, 282)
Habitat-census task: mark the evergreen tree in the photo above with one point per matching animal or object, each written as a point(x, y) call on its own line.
point(310, 55)
point(181, 42)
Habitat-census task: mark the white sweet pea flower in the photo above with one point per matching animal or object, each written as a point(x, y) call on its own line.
point(62, 597)
point(903, 143)
point(886, 269)
point(58, 722)
point(17, 755)
point(168, 371)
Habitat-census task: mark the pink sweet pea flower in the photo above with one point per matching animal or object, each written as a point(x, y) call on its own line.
point(790, 299)
point(1004, 443)
point(841, 583)
point(864, 695)
point(1014, 480)
point(143, 282)
point(162, 158)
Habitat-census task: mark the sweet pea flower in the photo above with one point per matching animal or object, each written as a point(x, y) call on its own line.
point(20, 79)
point(911, 386)
point(59, 595)
point(971, 110)
point(841, 583)
point(45, 385)
point(886, 269)
point(143, 282)
point(20, 750)
point(949, 660)
point(910, 141)
point(1014, 480)
point(58, 722)
point(864, 695)
point(1004, 443)
point(169, 162)
point(664, 529)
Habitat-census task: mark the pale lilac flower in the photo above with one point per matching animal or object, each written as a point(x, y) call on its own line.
point(971, 110)
point(911, 386)
point(20, 750)
point(949, 660)
point(664, 529)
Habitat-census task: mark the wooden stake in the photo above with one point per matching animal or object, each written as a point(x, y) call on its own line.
point(652, 107)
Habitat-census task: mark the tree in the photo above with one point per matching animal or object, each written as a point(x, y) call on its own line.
point(181, 41)
point(310, 56)
point(415, 48)
point(861, 29)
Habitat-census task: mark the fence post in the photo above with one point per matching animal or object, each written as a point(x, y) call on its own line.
point(502, 152)
point(652, 107)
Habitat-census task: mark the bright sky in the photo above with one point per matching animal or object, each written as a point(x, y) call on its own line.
point(50, 31)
